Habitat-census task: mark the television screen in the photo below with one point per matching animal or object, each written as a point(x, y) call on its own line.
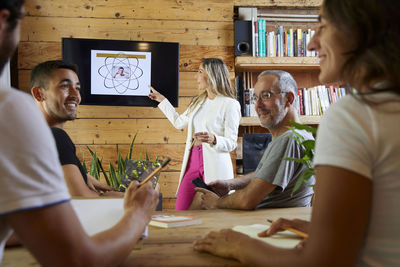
point(118, 73)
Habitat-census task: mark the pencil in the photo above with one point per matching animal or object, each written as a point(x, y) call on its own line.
point(298, 232)
point(155, 171)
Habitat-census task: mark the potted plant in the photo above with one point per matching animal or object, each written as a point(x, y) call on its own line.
point(307, 159)
point(127, 169)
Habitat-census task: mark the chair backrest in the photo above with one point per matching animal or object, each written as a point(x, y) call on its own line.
point(254, 145)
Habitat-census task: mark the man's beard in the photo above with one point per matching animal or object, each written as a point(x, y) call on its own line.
point(273, 120)
point(63, 117)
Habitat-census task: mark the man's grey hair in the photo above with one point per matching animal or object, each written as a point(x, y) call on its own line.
point(286, 83)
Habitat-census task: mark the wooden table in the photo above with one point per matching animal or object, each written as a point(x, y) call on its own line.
point(173, 247)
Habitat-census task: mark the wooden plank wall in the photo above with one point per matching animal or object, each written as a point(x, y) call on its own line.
point(203, 28)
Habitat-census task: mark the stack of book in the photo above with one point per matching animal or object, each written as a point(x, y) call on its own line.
point(289, 43)
point(315, 101)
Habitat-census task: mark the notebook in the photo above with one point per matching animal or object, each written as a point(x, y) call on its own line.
point(171, 221)
point(283, 239)
point(99, 214)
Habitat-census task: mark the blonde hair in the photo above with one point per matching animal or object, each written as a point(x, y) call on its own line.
point(218, 80)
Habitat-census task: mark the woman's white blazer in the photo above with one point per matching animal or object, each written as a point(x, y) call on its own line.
point(222, 120)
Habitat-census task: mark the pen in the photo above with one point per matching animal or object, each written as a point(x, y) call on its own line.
point(300, 233)
point(155, 171)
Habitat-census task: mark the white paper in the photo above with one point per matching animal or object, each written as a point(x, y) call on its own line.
point(97, 215)
point(120, 73)
point(283, 239)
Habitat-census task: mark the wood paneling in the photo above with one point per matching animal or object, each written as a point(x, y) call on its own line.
point(217, 10)
point(32, 53)
point(117, 131)
point(52, 29)
point(169, 203)
point(104, 112)
point(190, 59)
point(278, 3)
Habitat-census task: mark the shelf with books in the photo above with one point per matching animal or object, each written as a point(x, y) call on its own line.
point(246, 63)
point(279, 3)
point(254, 121)
point(286, 28)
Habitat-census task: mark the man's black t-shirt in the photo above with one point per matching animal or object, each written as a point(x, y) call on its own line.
point(66, 150)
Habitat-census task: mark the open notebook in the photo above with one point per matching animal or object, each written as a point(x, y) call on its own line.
point(99, 214)
point(283, 239)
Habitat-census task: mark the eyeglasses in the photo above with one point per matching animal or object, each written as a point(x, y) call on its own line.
point(266, 95)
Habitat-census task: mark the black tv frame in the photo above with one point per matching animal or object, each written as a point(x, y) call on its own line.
point(164, 69)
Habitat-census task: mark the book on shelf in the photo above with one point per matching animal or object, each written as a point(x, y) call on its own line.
point(239, 84)
point(172, 221)
point(256, 38)
point(261, 38)
point(289, 43)
point(253, 112)
point(279, 39)
point(316, 100)
point(246, 102)
point(300, 45)
point(253, 29)
point(300, 104)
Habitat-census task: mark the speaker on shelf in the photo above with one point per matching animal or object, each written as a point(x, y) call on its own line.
point(243, 38)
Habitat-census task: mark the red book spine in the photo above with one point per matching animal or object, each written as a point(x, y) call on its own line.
point(332, 94)
point(301, 101)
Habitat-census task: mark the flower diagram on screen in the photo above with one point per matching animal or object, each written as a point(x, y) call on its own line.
point(121, 72)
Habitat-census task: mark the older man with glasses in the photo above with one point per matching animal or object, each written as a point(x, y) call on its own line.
point(272, 183)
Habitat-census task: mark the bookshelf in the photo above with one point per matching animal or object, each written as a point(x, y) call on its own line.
point(279, 15)
point(304, 69)
point(254, 121)
point(247, 63)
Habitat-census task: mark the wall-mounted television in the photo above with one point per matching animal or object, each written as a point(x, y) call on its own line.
point(118, 72)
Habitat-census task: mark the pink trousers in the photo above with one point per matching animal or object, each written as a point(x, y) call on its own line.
point(194, 168)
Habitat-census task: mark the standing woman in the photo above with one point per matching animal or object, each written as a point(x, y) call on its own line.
point(356, 216)
point(212, 119)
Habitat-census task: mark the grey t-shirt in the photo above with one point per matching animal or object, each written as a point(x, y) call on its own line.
point(283, 173)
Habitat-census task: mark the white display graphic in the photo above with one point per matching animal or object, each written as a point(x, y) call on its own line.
point(120, 72)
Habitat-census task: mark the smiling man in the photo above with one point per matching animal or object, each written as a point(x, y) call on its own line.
point(55, 86)
point(271, 185)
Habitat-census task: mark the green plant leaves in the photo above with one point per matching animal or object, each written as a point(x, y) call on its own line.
point(131, 146)
point(113, 177)
point(307, 159)
point(307, 174)
point(299, 126)
point(118, 174)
